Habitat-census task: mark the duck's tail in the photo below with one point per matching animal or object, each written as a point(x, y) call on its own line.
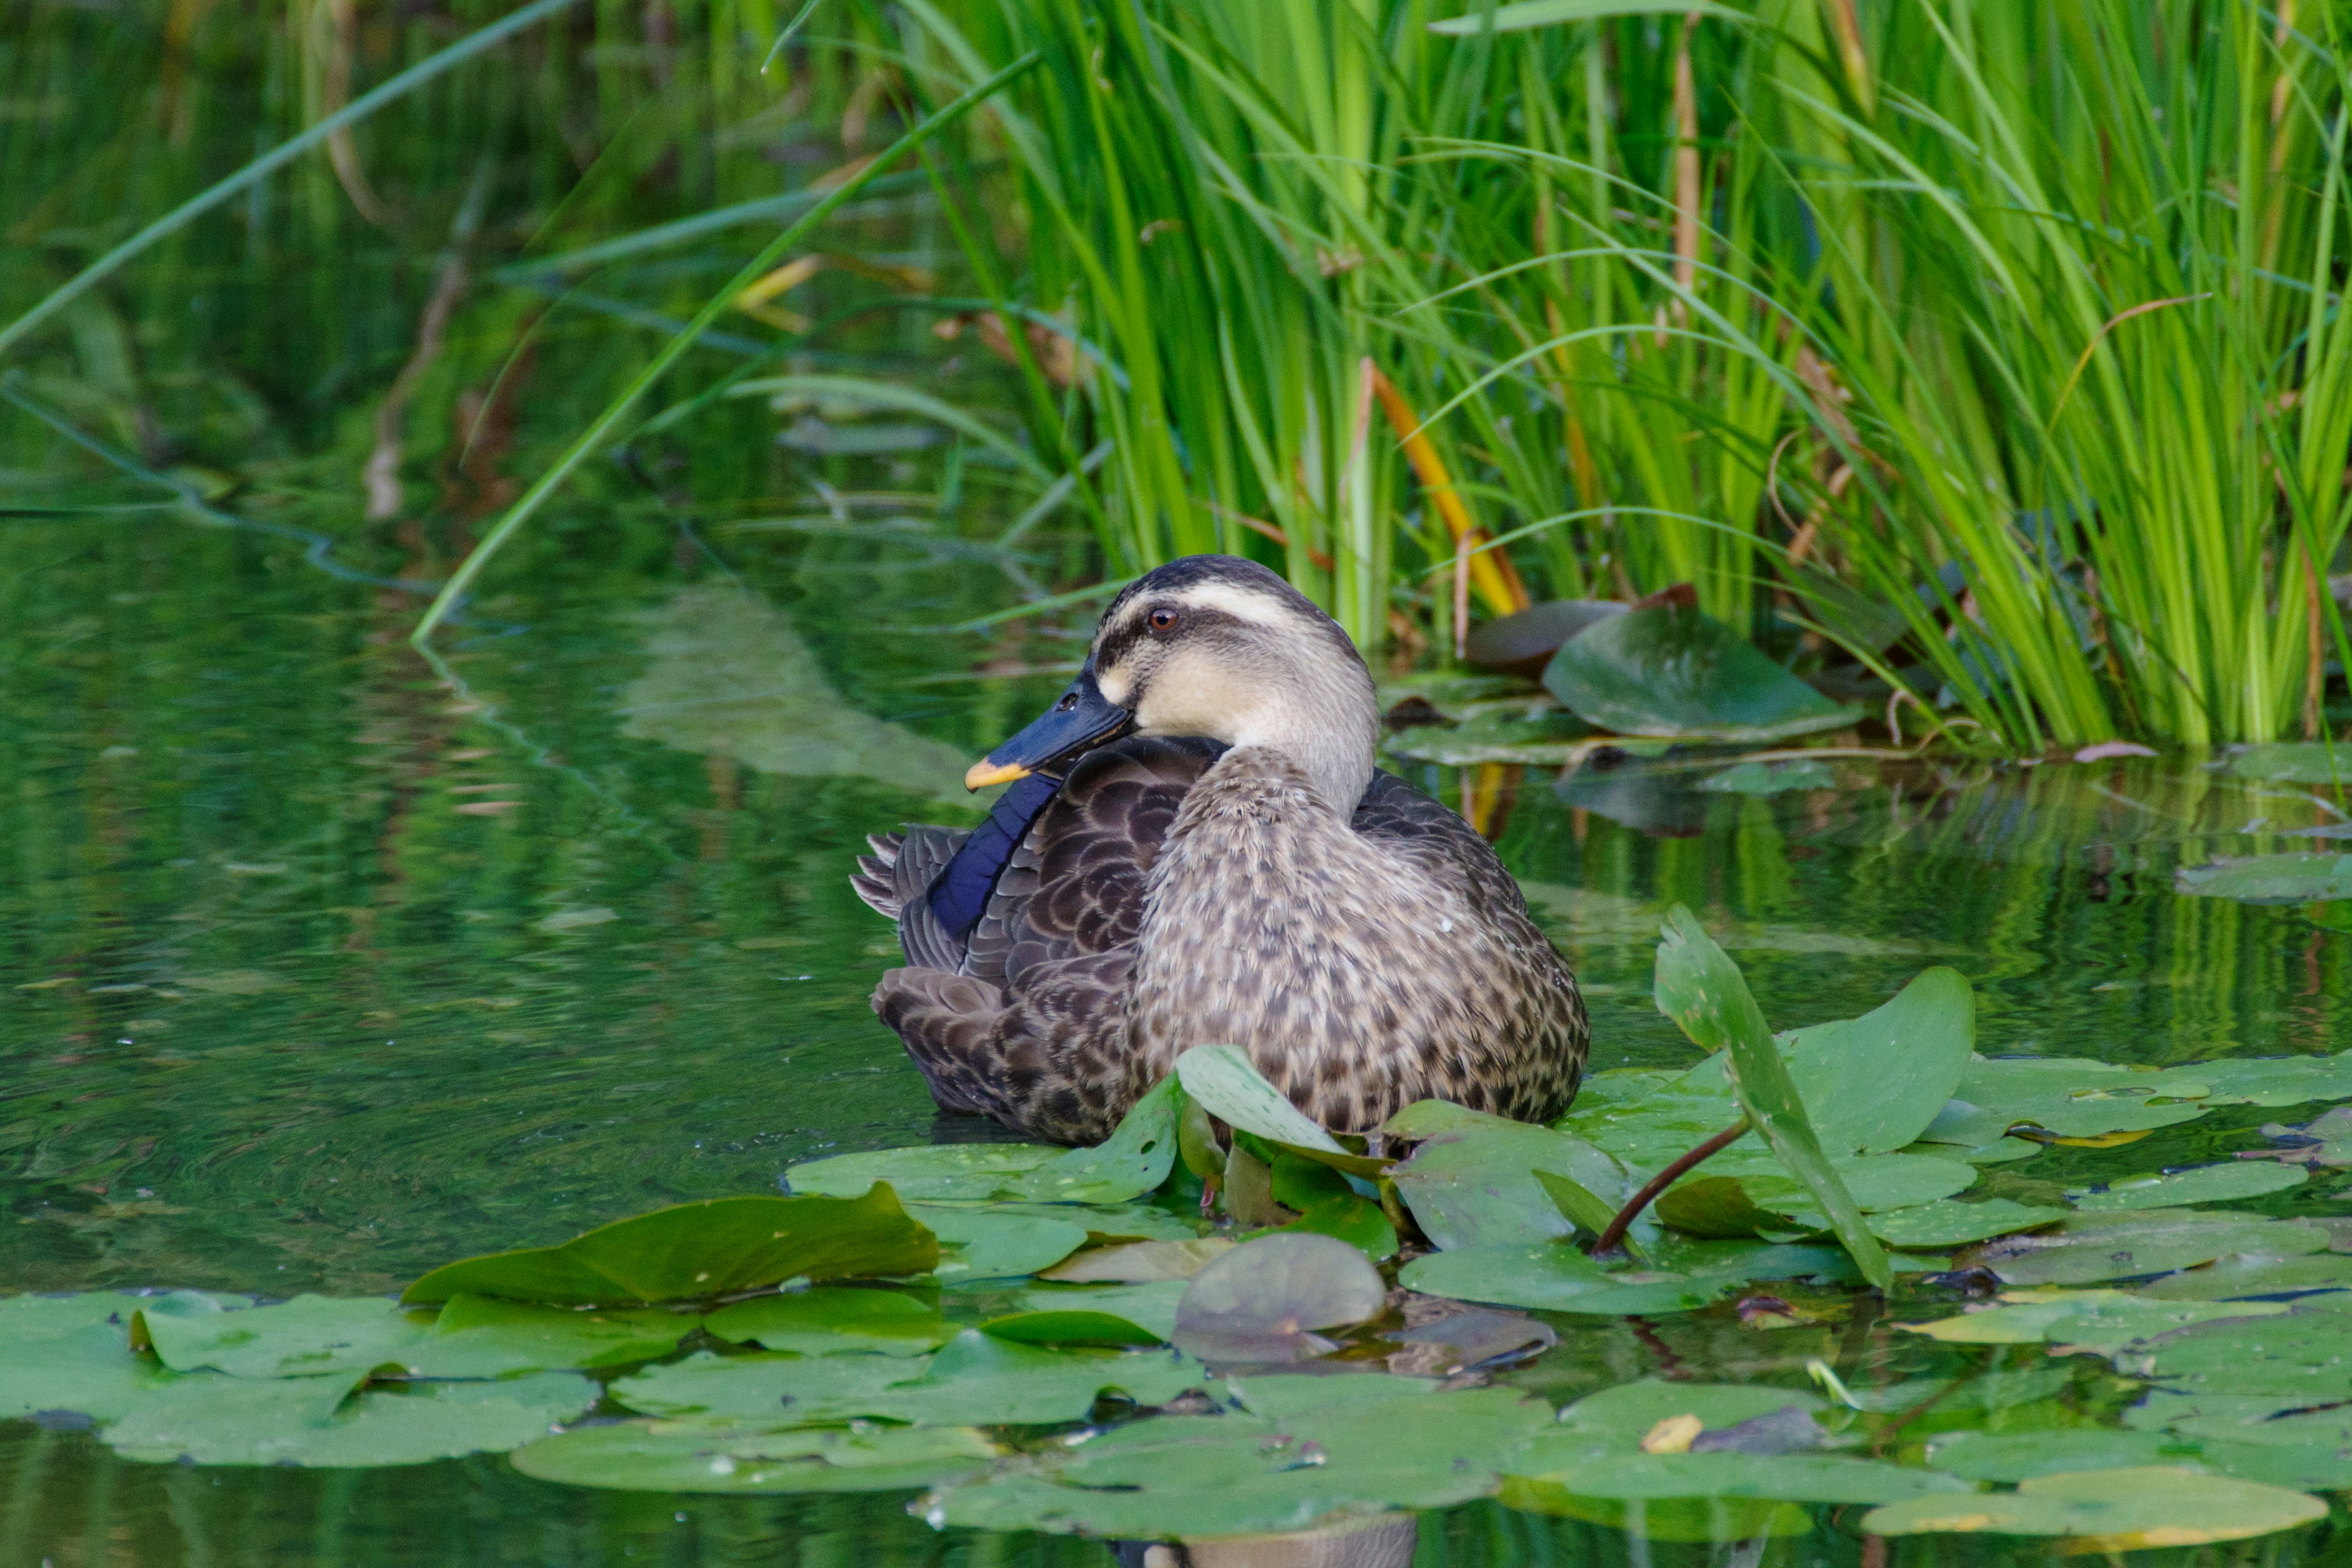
point(894, 878)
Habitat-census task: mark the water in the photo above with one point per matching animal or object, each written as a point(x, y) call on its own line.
point(323, 966)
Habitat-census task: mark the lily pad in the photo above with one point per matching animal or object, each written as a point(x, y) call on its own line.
point(1555, 1277)
point(306, 1337)
point(830, 1319)
point(210, 1419)
point(1139, 1262)
point(1873, 1084)
point(1771, 778)
point(1946, 1223)
point(1771, 1477)
point(2325, 1140)
point(1475, 1184)
point(998, 1243)
point(480, 1336)
point(1262, 1300)
point(1244, 1473)
point(2305, 761)
point(2303, 1355)
point(1357, 1221)
point(2302, 877)
point(1092, 1315)
point(1703, 991)
point(2229, 1278)
point(1225, 1082)
point(969, 1172)
point(71, 1353)
point(2101, 1321)
point(699, 1251)
point(2111, 1509)
point(657, 1456)
point(2090, 1247)
point(2062, 1097)
point(2266, 1080)
point(2022, 1455)
point(2205, 1184)
point(1669, 670)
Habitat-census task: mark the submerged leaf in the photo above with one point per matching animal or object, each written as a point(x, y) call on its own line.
point(1673, 671)
point(2021, 1456)
point(1139, 1262)
point(953, 1172)
point(2102, 1321)
point(654, 1457)
point(2295, 878)
point(699, 1251)
point(2111, 1510)
point(2290, 761)
point(1262, 1300)
point(1771, 778)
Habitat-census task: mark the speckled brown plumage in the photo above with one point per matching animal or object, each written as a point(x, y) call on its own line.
point(1180, 892)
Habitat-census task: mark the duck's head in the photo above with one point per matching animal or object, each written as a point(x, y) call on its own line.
point(1216, 647)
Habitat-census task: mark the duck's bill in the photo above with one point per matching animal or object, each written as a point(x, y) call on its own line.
point(1080, 719)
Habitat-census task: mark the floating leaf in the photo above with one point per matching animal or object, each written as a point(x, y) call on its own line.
point(1140, 1262)
point(2089, 1247)
point(1357, 1221)
point(1874, 1083)
point(963, 1172)
point(1133, 1160)
point(830, 1319)
point(698, 1251)
point(306, 1337)
point(1703, 991)
point(1771, 778)
point(71, 1353)
point(2307, 761)
point(1555, 1277)
point(2205, 1184)
point(998, 1243)
point(1616, 1419)
point(1946, 1223)
point(1226, 1083)
point(2102, 1321)
point(2064, 1097)
point(2022, 1455)
point(2111, 1510)
point(209, 1418)
point(2264, 1080)
point(1462, 1341)
point(2325, 1140)
point(1672, 671)
point(1262, 1300)
point(1475, 1184)
point(640, 1456)
point(2305, 1354)
point(2227, 1279)
point(480, 1336)
point(2302, 878)
point(1774, 1478)
point(1245, 1473)
point(1092, 1315)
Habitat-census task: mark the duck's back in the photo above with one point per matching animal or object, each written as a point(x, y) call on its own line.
point(1022, 941)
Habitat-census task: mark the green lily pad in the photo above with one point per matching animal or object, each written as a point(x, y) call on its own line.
point(971, 1172)
point(1139, 1263)
point(699, 1251)
point(1262, 1300)
point(2227, 1279)
point(307, 1337)
point(2266, 1080)
point(2302, 877)
point(210, 1419)
point(1357, 1221)
point(998, 1243)
point(1092, 1314)
point(480, 1336)
point(975, 1379)
point(1946, 1223)
point(2110, 1510)
point(2290, 762)
point(2102, 1321)
point(1616, 1419)
point(1242, 1473)
point(2063, 1097)
point(1771, 778)
point(831, 1319)
point(71, 1353)
point(2303, 1354)
point(1555, 1277)
point(1475, 1183)
point(2205, 1184)
point(2088, 1247)
point(1873, 1084)
point(2022, 1455)
point(657, 1456)
point(1769, 1478)
point(1669, 670)
point(1223, 1081)
point(1703, 991)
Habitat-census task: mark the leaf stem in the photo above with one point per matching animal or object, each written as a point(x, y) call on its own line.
point(1609, 1240)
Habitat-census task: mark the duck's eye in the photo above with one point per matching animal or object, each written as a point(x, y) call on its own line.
point(1069, 701)
point(1163, 620)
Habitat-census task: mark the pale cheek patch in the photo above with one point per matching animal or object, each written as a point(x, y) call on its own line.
point(1193, 697)
point(1113, 685)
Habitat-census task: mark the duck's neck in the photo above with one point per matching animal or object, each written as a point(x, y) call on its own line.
point(1336, 764)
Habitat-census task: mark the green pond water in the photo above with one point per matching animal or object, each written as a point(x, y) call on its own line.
point(320, 966)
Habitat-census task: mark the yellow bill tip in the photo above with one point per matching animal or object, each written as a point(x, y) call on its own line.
point(985, 772)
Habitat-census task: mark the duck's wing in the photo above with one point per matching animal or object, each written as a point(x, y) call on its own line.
point(1434, 835)
point(1026, 1022)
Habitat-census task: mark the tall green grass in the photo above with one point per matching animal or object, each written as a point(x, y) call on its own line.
point(2002, 350)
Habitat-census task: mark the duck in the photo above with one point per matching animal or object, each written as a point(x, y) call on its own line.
point(1198, 847)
